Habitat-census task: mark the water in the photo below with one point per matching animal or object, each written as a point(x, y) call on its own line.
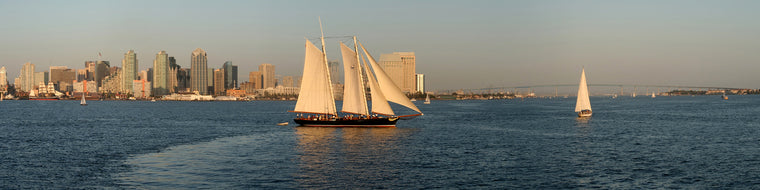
point(631, 143)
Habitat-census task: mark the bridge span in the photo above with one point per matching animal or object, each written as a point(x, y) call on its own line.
point(623, 88)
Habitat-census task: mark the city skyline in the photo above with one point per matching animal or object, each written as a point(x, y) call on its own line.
point(458, 44)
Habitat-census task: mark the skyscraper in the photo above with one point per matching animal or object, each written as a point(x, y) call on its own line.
point(267, 74)
point(160, 80)
point(219, 82)
point(335, 74)
point(101, 71)
point(3, 78)
point(128, 71)
point(400, 66)
point(63, 77)
point(198, 72)
point(256, 78)
point(230, 75)
point(27, 77)
point(172, 78)
point(421, 83)
point(287, 81)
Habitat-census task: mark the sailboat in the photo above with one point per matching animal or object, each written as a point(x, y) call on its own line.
point(316, 105)
point(83, 102)
point(583, 105)
point(653, 96)
point(427, 99)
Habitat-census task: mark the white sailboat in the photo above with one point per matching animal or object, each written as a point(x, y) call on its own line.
point(427, 99)
point(583, 105)
point(83, 102)
point(653, 96)
point(316, 104)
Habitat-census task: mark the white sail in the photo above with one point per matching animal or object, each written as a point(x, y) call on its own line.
point(316, 94)
point(389, 89)
point(379, 102)
point(583, 102)
point(354, 100)
point(83, 102)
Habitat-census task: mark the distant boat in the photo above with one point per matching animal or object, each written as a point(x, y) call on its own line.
point(427, 99)
point(83, 102)
point(633, 95)
point(414, 100)
point(724, 96)
point(583, 105)
point(614, 96)
point(653, 96)
point(282, 124)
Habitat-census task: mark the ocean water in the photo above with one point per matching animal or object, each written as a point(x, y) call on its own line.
point(630, 143)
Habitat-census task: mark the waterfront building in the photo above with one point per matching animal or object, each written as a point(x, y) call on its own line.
point(400, 66)
point(62, 77)
point(40, 78)
point(111, 83)
point(161, 79)
point(420, 83)
point(141, 89)
point(257, 79)
point(79, 86)
point(287, 81)
point(210, 80)
point(230, 75)
point(335, 74)
point(128, 71)
point(198, 72)
point(172, 78)
point(26, 77)
point(3, 78)
point(219, 82)
point(101, 71)
point(267, 75)
point(183, 80)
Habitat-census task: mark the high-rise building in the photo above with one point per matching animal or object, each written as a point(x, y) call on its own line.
point(400, 66)
point(40, 78)
point(230, 75)
point(421, 83)
point(287, 81)
point(219, 82)
point(267, 75)
point(198, 72)
point(141, 88)
point(256, 78)
point(335, 74)
point(172, 78)
point(101, 71)
point(62, 77)
point(210, 80)
point(161, 79)
point(26, 78)
point(128, 71)
point(3, 78)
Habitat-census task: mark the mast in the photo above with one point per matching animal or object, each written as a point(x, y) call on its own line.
point(361, 77)
point(327, 66)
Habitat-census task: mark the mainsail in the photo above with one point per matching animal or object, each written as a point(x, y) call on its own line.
point(379, 102)
point(316, 94)
point(583, 102)
point(386, 85)
point(354, 100)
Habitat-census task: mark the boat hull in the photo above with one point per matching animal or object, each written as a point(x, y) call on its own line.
point(584, 113)
point(342, 122)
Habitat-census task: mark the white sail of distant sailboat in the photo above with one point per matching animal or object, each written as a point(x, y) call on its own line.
point(653, 96)
point(583, 105)
point(316, 104)
point(83, 102)
point(427, 99)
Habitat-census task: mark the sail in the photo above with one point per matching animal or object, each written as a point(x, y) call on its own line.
point(379, 102)
point(353, 92)
point(389, 89)
point(583, 102)
point(315, 95)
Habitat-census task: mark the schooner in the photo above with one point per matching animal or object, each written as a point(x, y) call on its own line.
point(316, 105)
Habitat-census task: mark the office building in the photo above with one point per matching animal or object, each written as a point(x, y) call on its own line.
point(141, 89)
point(219, 82)
point(161, 74)
point(335, 74)
point(62, 77)
point(287, 81)
point(400, 66)
point(3, 78)
point(420, 83)
point(128, 71)
point(256, 78)
point(26, 78)
point(267, 75)
point(198, 72)
point(230, 75)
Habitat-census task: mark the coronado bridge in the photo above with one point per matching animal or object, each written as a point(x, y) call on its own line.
point(571, 89)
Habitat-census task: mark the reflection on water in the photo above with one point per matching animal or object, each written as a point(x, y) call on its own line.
point(348, 157)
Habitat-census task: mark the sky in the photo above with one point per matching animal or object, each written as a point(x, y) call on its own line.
point(458, 44)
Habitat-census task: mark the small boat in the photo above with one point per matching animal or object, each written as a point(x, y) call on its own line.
point(414, 100)
point(582, 104)
point(427, 99)
point(653, 96)
point(153, 100)
point(83, 102)
point(282, 124)
point(724, 96)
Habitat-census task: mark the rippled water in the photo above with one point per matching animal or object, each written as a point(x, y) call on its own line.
point(666, 142)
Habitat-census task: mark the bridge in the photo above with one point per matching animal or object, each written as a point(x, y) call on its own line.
point(622, 88)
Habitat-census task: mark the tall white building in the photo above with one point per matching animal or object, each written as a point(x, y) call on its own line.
point(3, 77)
point(267, 72)
point(26, 77)
point(199, 72)
point(128, 70)
point(161, 74)
point(421, 83)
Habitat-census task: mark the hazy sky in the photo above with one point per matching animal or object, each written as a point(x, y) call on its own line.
point(459, 44)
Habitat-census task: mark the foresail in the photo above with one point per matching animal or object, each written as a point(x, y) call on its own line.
point(583, 102)
point(354, 100)
point(379, 102)
point(315, 95)
point(389, 89)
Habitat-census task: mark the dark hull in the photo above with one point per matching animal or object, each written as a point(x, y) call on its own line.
point(374, 122)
